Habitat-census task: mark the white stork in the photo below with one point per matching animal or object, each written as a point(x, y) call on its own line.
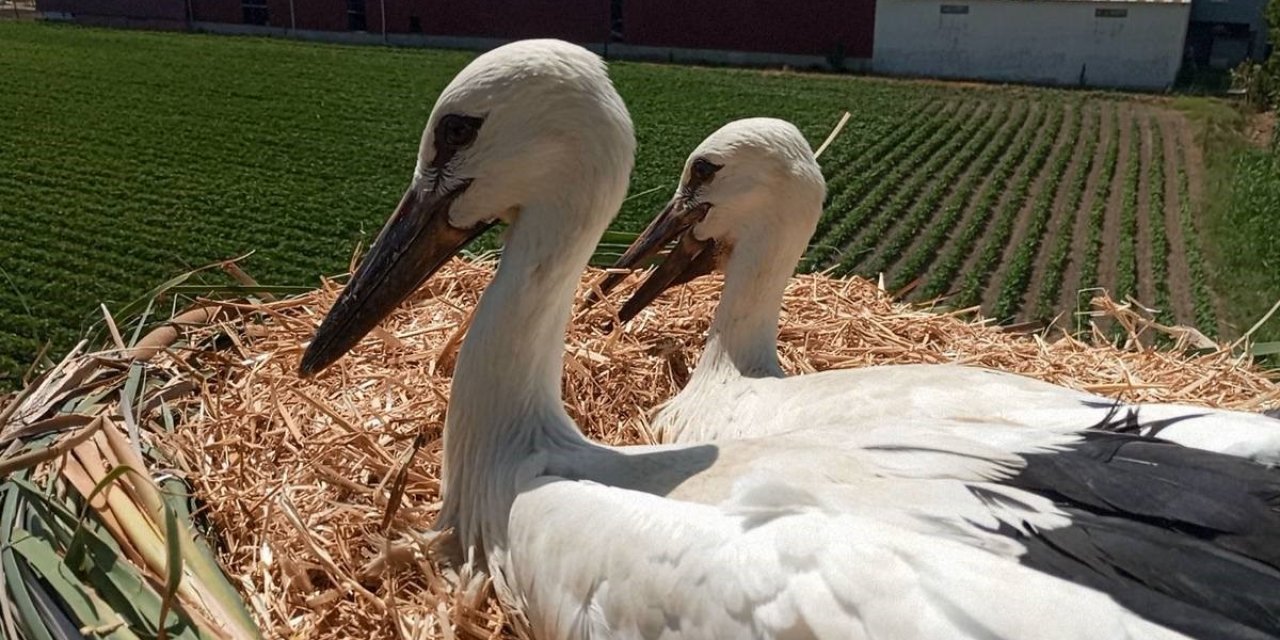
point(908, 531)
point(749, 200)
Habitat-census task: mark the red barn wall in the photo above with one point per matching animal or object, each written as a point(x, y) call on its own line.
point(156, 10)
point(226, 11)
point(317, 15)
point(575, 20)
point(808, 27)
point(804, 27)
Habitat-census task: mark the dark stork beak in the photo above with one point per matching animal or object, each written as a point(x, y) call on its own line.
point(689, 259)
point(411, 247)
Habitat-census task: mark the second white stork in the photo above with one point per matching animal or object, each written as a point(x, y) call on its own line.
point(748, 202)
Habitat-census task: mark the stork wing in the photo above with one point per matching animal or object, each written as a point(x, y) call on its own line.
point(607, 562)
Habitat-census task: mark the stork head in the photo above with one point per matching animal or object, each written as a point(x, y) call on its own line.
point(752, 190)
point(532, 129)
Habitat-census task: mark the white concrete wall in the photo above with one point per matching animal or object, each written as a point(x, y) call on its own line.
point(1036, 41)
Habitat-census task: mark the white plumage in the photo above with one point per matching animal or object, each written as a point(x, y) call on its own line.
point(753, 219)
point(905, 531)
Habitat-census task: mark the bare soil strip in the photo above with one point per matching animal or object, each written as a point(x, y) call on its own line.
point(1019, 235)
point(1071, 277)
point(1041, 263)
point(1146, 276)
point(1012, 116)
point(1115, 205)
point(1171, 126)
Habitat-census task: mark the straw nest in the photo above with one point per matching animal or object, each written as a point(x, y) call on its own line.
point(320, 493)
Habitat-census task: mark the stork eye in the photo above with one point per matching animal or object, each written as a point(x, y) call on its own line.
point(703, 169)
point(457, 131)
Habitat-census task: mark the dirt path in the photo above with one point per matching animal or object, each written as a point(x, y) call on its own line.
point(1184, 312)
point(1146, 276)
point(1023, 220)
point(1115, 205)
point(969, 174)
point(1031, 295)
point(1071, 276)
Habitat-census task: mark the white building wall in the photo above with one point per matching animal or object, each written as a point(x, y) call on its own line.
point(1037, 41)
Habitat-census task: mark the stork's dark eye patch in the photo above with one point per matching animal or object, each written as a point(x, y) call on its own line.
point(457, 130)
point(453, 133)
point(704, 169)
point(701, 172)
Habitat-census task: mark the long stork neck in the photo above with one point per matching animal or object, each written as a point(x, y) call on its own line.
point(743, 338)
point(505, 405)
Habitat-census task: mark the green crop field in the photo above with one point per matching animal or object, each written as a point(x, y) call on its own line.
point(128, 157)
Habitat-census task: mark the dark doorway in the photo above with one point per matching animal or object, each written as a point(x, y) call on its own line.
point(355, 16)
point(255, 12)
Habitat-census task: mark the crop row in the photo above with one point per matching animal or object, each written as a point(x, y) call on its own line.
point(1051, 280)
point(1098, 212)
point(1127, 250)
point(942, 162)
point(941, 276)
point(843, 192)
point(884, 185)
point(1018, 272)
point(1001, 226)
point(844, 162)
point(945, 183)
point(941, 228)
point(1206, 319)
point(1156, 226)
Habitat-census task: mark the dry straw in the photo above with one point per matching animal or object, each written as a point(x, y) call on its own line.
point(320, 493)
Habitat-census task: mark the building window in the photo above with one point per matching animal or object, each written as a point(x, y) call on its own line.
point(955, 9)
point(255, 11)
point(1110, 13)
point(415, 24)
point(355, 16)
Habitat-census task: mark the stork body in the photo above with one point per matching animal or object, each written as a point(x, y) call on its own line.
point(750, 198)
point(907, 531)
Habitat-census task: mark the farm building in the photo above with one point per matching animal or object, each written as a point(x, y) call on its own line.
point(1102, 43)
point(1225, 32)
point(1112, 43)
point(138, 14)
